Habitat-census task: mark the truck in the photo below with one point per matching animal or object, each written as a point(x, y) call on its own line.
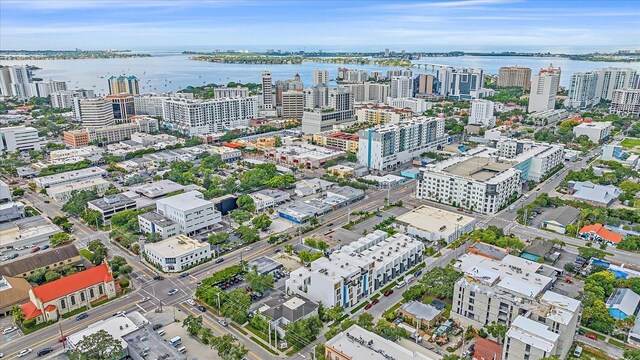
point(409, 278)
point(175, 341)
point(412, 331)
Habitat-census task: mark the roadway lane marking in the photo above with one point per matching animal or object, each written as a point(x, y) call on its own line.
point(141, 308)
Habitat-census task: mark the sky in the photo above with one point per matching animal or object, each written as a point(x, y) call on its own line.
point(438, 25)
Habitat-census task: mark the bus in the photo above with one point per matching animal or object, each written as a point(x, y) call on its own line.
point(175, 341)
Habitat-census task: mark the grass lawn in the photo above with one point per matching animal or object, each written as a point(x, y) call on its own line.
point(264, 346)
point(74, 312)
point(616, 342)
point(630, 142)
point(87, 254)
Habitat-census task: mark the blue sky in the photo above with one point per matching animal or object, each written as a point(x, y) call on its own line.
point(439, 25)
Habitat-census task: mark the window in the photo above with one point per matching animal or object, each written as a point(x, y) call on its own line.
point(73, 300)
point(100, 290)
point(91, 294)
point(82, 297)
point(63, 304)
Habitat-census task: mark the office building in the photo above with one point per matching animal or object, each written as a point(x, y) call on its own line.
point(292, 104)
point(514, 76)
point(63, 193)
point(611, 79)
point(202, 117)
point(190, 211)
point(281, 86)
point(50, 301)
point(353, 273)
point(626, 102)
point(482, 184)
point(401, 87)
point(432, 224)
point(269, 198)
point(417, 106)
point(582, 91)
point(368, 92)
point(338, 140)
point(267, 91)
point(63, 99)
point(225, 92)
point(339, 111)
point(69, 156)
point(93, 112)
point(151, 103)
point(76, 138)
point(320, 77)
point(19, 138)
point(482, 113)
point(154, 223)
point(116, 133)
point(381, 114)
point(123, 107)
point(123, 85)
point(595, 131)
point(64, 178)
point(388, 146)
point(177, 253)
point(358, 343)
point(544, 88)
point(111, 205)
point(467, 83)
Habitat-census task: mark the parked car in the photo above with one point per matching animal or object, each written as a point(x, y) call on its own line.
point(9, 330)
point(418, 273)
point(24, 352)
point(375, 301)
point(368, 306)
point(156, 326)
point(592, 336)
point(388, 292)
point(82, 316)
point(44, 351)
point(199, 283)
point(35, 249)
point(44, 247)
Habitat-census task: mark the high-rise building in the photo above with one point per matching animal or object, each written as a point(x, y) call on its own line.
point(389, 146)
point(20, 82)
point(225, 92)
point(368, 92)
point(55, 85)
point(399, 72)
point(151, 103)
point(401, 87)
point(5, 81)
point(425, 84)
point(352, 76)
point(93, 112)
point(64, 98)
point(123, 107)
point(292, 104)
point(482, 113)
point(466, 83)
point(582, 92)
point(339, 110)
point(625, 102)
point(316, 97)
point(611, 79)
point(19, 138)
point(294, 84)
point(202, 117)
point(514, 76)
point(267, 89)
point(320, 77)
point(40, 89)
point(124, 85)
point(544, 88)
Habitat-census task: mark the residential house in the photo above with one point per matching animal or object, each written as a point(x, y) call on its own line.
point(597, 195)
point(623, 303)
point(597, 232)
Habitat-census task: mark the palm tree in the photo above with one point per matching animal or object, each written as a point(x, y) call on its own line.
point(18, 314)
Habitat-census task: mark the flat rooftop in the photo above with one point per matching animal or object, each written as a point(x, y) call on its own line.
point(145, 340)
point(157, 219)
point(70, 176)
point(533, 333)
point(158, 188)
point(478, 168)
point(111, 201)
point(117, 326)
point(434, 220)
point(78, 185)
point(185, 201)
point(175, 246)
point(358, 343)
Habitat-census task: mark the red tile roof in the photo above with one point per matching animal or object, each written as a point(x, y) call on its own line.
point(30, 310)
point(73, 283)
point(601, 231)
point(50, 308)
point(487, 350)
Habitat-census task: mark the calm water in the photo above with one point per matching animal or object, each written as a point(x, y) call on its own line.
point(172, 72)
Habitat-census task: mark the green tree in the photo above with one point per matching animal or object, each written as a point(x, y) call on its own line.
point(245, 202)
point(193, 324)
point(59, 239)
point(588, 253)
point(257, 282)
point(99, 345)
point(218, 238)
point(281, 181)
point(451, 357)
point(631, 354)
point(302, 332)
point(18, 192)
point(99, 251)
point(229, 348)
point(388, 331)
point(440, 281)
point(570, 267)
point(307, 257)
point(52, 276)
point(277, 141)
point(240, 216)
point(37, 276)
point(78, 201)
point(17, 314)
point(235, 305)
point(497, 330)
point(365, 320)
point(334, 313)
point(261, 221)
point(92, 217)
point(248, 234)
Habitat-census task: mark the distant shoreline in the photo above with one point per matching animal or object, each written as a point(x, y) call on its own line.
point(67, 54)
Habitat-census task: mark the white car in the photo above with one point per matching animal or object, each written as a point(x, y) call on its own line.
point(191, 302)
point(9, 330)
point(172, 292)
point(223, 322)
point(247, 249)
point(24, 352)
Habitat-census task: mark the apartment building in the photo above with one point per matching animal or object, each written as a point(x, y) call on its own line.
point(123, 85)
point(368, 92)
point(320, 77)
point(225, 92)
point(202, 117)
point(401, 87)
point(514, 76)
point(177, 253)
point(425, 84)
point(482, 184)
point(339, 110)
point(611, 79)
point(595, 131)
point(353, 273)
point(544, 88)
point(63, 99)
point(151, 103)
point(533, 159)
point(387, 146)
point(19, 138)
point(482, 113)
point(338, 140)
point(418, 106)
point(461, 83)
point(190, 211)
point(352, 76)
point(626, 102)
point(381, 114)
point(267, 91)
point(582, 91)
point(117, 133)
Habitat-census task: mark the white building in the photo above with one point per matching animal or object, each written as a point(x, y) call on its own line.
point(533, 159)
point(544, 88)
point(381, 114)
point(388, 146)
point(63, 99)
point(267, 91)
point(482, 113)
point(93, 112)
point(190, 211)
point(201, 117)
point(368, 92)
point(320, 77)
point(353, 273)
point(19, 138)
point(626, 102)
point(529, 339)
point(401, 87)
point(595, 131)
point(44, 182)
point(154, 223)
point(62, 193)
point(225, 92)
point(20, 82)
point(265, 199)
point(418, 106)
point(111, 205)
point(339, 110)
point(482, 184)
point(434, 224)
point(611, 79)
point(151, 103)
point(120, 132)
point(178, 253)
point(582, 92)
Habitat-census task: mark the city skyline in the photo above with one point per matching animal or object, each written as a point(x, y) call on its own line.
point(447, 25)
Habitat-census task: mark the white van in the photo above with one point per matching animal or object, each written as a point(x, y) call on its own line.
point(182, 350)
point(400, 284)
point(409, 278)
point(161, 332)
point(577, 351)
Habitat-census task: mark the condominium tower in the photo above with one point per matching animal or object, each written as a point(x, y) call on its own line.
point(516, 76)
point(544, 88)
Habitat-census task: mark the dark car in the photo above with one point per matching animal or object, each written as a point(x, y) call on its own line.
point(388, 292)
point(14, 255)
point(375, 301)
point(82, 316)
point(202, 308)
point(418, 273)
point(219, 260)
point(368, 306)
point(277, 250)
point(44, 351)
point(330, 224)
point(156, 326)
point(183, 275)
point(44, 247)
point(158, 277)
